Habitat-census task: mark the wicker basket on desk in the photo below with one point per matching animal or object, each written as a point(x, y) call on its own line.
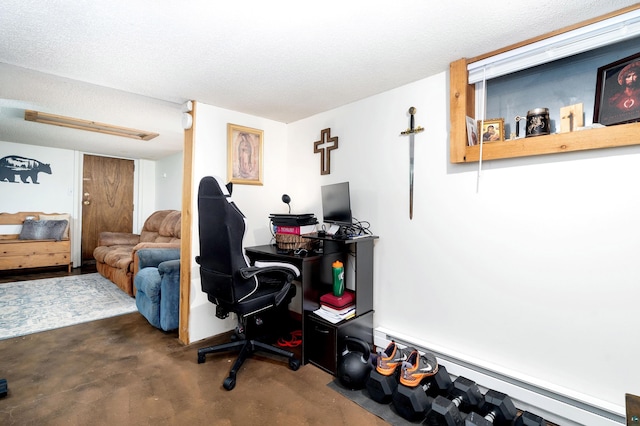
point(293, 242)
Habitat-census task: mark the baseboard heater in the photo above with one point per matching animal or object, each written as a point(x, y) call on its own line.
point(560, 406)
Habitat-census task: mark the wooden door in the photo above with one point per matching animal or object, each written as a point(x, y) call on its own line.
point(107, 199)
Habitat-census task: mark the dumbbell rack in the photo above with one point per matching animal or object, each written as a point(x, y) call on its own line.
point(460, 404)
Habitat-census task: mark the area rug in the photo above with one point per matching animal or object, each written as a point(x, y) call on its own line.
point(32, 306)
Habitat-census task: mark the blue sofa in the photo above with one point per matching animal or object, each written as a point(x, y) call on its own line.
point(158, 287)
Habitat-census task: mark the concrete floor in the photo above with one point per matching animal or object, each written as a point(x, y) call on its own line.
point(122, 371)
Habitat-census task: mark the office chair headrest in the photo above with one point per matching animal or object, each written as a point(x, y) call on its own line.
point(211, 191)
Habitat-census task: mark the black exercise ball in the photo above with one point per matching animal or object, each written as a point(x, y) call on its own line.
point(354, 366)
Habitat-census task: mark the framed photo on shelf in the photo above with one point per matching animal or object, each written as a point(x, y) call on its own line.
point(618, 92)
point(492, 130)
point(472, 132)
point(244, 155)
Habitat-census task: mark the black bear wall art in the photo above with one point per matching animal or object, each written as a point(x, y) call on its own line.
point(13, 165)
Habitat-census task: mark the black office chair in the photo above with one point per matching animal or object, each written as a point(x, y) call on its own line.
point(253, 293)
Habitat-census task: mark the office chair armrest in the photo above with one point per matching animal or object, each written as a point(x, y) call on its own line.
point(262, 267)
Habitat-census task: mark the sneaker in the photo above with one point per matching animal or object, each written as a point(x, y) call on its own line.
point(391, 358)
point(417, 368)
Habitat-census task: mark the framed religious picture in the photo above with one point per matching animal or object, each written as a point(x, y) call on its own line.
point(492, 130)
point(618, 92)
point(244, 155)
point(472, 132)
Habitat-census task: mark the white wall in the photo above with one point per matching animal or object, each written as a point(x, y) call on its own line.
point(169, 180)
point(256, 202)
point(53, 193)
point(144, 193)
point(535, 274)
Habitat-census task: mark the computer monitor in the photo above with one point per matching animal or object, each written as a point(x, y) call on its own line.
point(336, 204)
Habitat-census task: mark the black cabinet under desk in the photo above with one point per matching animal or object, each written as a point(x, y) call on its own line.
point(322, 339)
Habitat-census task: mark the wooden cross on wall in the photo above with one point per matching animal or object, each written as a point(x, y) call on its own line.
point(323, 146)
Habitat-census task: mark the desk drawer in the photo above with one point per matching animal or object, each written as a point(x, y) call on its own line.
point(323, 341)
point(320, 344)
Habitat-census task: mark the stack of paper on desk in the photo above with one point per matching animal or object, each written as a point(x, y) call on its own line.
point(337, 308)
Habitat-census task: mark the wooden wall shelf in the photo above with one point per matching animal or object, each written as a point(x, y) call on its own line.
point(462, 104)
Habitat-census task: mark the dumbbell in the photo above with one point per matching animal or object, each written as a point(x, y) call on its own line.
point(381, 387)
point(465, 395)
point(382, 384)
point(529, 419)
point(413, 403)
point(498, 410)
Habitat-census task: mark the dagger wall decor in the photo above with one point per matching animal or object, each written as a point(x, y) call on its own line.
point(411, 131)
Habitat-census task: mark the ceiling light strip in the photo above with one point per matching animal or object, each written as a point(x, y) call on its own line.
point(92, 126)
point(602, 33)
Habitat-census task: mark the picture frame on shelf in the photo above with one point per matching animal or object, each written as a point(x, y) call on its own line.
point(492, 130)
point(244, 155)
point(472, 132)
point(618, 92)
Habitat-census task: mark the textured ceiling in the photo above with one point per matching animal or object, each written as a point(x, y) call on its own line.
point(284, 60)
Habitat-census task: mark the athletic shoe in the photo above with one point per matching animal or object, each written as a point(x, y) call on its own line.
point(391, 358)
point(417, 368)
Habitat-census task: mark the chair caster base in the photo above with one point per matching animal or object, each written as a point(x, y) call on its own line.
point(3, 388)
point(229, 383)
point(294, 364)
